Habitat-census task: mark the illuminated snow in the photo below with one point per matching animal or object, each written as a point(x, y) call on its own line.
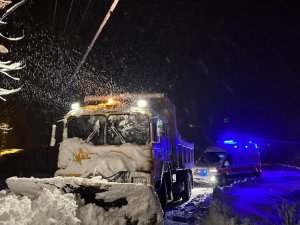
point(257, 200)
point(48, 208)
point(44, 202)
point(252, 201)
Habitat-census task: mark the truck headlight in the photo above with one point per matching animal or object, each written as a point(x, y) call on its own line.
point(75, 106)
point(213, 179)
point(142, 103)
point(212, 170)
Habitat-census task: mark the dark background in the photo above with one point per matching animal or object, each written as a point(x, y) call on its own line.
point(227, 65)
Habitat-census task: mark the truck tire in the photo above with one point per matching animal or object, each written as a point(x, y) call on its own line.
point(186, 194)
point(176, 196)
point(257, 173)
point(223, 181)
point(163, 196)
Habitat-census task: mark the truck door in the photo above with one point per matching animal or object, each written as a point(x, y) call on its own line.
point(228, 165)
point(160, 147)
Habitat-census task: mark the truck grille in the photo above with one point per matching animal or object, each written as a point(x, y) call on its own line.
point(139, 180)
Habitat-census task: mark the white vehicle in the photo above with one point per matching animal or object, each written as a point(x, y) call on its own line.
point(218, 165)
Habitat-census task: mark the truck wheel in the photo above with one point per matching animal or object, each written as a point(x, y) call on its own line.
point(186, 194)
point(163, 196)
point(176, 196)
point(257, 173)
point(223, 180)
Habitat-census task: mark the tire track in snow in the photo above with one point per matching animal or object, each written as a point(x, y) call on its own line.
point(186, 213)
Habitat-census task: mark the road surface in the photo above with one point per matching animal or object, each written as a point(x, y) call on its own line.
point(274, 198)
point(189, 212)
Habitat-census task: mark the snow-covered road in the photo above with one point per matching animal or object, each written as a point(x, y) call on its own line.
point(264, 200)
point(272, 199)
point(189, 212)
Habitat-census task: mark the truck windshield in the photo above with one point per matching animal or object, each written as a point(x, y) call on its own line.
point(133, 128)
point(212, 157)
point(88, 128)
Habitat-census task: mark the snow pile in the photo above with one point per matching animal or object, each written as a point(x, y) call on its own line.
point(74, 200)
point(220, 213)
point(77, 157)
point(49, 208)
point(55, 208)
point(15, 210)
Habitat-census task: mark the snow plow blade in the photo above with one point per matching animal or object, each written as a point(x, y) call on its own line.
point(132, 203)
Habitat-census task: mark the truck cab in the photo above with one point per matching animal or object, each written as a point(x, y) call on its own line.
point(128, 138)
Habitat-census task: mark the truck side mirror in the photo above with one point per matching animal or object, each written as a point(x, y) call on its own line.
point(58, 126)
point(157, 126)
point(160, 127)
point(226, 163)
point(53, 133)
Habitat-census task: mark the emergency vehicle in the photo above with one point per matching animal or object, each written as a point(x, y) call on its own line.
point(220, 164)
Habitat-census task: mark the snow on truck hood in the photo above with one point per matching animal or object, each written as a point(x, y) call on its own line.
point(82, 159)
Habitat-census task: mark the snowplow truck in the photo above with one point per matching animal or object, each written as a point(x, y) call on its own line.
point(128, 138)
point(120, 145)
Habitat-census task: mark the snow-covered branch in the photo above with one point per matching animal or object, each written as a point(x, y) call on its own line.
point(7, 66)
point(11, 9)
point(11, 39)
point(7, 92)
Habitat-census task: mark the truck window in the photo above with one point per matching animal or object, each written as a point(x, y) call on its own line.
point(133, 128)
point(88, 128)
point(188, 155)
point(154, 131)
point(228, 160)
point(212, 157)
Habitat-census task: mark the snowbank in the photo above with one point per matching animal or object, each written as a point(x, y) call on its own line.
point(48, 208)
point(272, 199)
point(78, 201)
point(220, 212)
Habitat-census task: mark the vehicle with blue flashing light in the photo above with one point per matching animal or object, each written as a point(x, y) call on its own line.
point(223, 163)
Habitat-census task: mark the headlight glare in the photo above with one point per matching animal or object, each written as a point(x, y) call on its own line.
point(212, 170)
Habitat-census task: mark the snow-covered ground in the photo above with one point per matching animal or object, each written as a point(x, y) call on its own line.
point(271, 199)
point(74, 201)
point(190, 211)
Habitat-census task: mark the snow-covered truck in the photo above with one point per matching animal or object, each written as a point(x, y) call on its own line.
point(128, 138)
point(116, 153)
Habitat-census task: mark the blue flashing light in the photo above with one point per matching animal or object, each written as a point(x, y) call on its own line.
point(239, 142)
point(230, 142)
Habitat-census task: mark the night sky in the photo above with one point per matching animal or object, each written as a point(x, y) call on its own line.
point(228, 65)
